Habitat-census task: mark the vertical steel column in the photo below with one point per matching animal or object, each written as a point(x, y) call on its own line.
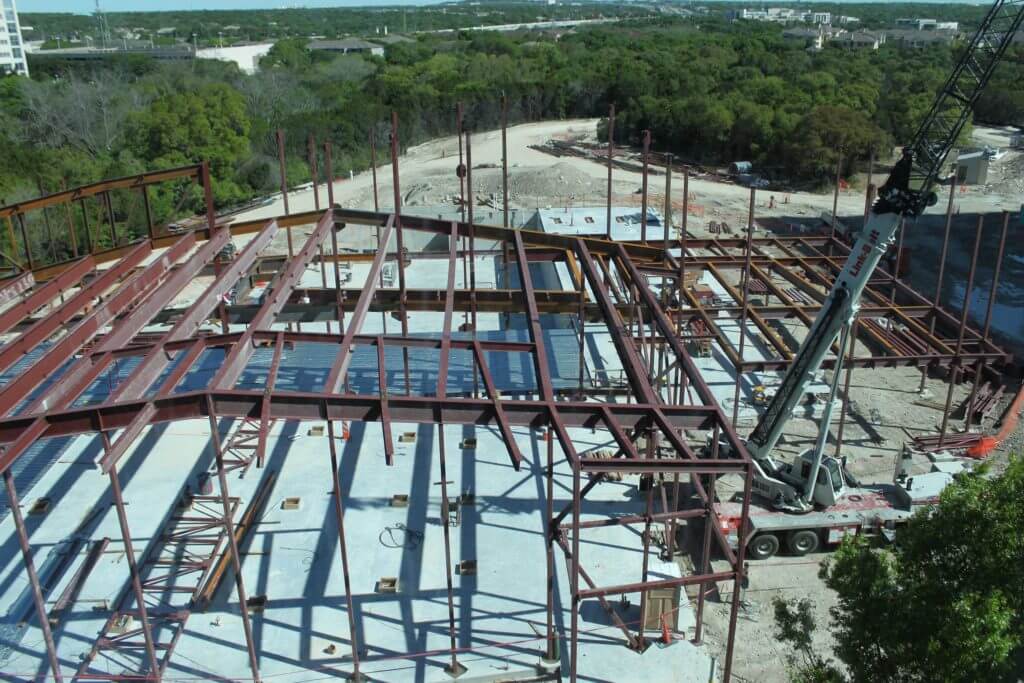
point(942, 268)
point(314, 172)
point(401, 247)
point(993, 292)
point(652, 437)
point(611, 145)
point(550, 529)
point(24, 238)
point(329, 172)
point(283, 170)
point(954, 374)
point(33, 577)
point(229, 526)
point(454, 668)
point(88, 230)
point(460, 169)
point(46, 222)
point(110, 216)
point(211, 216)
point(71, 222)
point(743, 312)
point(373, 168)
point(504, 158)
point(472, 264)
point(871, 167)
point(667, 218)
point(583, 331)
point(705, 558)
point(846, 386)
point(574, 579)
point(10, 236)
point(339, 514)
point(680, 375)
point(643, 189)
point(835, 200)
point(740, 571)
point(133, 568)
point(144, 191)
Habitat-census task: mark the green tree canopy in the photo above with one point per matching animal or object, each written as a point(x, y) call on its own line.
point(945, 603)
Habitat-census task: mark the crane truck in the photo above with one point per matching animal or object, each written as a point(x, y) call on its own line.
point(814, 500)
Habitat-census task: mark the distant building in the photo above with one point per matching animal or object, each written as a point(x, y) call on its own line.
point(918, 39)
point(12, 48)
point(347, 46)
point(928, 25)
point(88, 54)
point(786, 15)
point(247, 57)
point(972, 168)
point(860, 40)
point(843, 20)
point(593, 220)
point(813, 37)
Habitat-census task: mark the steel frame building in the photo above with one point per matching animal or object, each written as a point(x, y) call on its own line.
point(94, 308)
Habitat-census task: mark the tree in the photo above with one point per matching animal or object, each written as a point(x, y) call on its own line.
point(290, 53)
point(209, 124)
point(822, 133)
point(943, 604)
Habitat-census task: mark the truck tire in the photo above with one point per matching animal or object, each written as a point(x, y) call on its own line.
point(763, 546)
point(803, 542)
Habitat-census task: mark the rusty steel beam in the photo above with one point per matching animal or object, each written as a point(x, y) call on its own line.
point(499, 412)
point(128, 182)
point(632, 363)
point(45, 294)
point(771, 334)
point(47, 326)
point(12, 288)
point(156, 360)
point(78, 377)
point(336, 377)
point(446, 326)
point(293, 405)
point(125, 295)
point(241, 352)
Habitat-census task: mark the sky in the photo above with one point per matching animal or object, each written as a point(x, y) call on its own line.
point(87, 6)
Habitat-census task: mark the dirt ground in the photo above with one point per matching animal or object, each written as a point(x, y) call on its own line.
point(536, 179)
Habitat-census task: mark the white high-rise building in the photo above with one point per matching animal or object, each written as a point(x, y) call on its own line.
point(12, 47)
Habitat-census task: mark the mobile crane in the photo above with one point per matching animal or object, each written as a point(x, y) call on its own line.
point(813, 499)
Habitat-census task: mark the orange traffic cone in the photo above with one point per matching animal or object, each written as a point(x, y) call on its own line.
point(666, 634)
point(344, 431)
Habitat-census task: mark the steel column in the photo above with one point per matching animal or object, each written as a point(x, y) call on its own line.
point(232, 548)
point(33, 577)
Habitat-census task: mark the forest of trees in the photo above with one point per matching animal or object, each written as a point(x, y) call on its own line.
point(711, 94)
point(228, 26)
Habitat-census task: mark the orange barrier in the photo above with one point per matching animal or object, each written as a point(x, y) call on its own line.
point(987, 444)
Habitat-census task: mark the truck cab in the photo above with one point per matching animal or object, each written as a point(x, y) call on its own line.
point(831, 483)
